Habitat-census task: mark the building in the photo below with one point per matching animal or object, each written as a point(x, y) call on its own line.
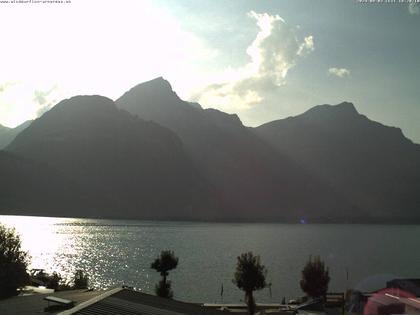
point(411, 286)
point(124, 301)
point(388, 304)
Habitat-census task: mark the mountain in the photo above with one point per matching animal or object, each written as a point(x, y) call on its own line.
point(8, 134)
point(251, 178)
point(130, 167)
point(32, 188)
point(372, 164)
point(151, 155)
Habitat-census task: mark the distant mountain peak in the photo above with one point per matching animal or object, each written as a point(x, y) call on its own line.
point(84, 102)
point(159, 90)
point(78, 98)
point(157, 83)
point(344, 109)
point(346, 106)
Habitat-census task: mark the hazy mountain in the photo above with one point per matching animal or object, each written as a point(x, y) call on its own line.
point(252, 179)
point(31, 188)
point(372, 164)
point(8, 134)
point(152, 155)
point(132, 168)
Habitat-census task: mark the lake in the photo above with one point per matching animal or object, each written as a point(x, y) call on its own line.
point(116, 252)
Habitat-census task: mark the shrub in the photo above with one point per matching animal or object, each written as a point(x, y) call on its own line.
point(315, 278)
point(13, 263)
point(81, 280)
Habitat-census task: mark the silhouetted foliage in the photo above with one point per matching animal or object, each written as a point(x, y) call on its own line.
point(163, 289)
point(250, 276)
point(55, 281)
point(13, 263)
point(51, 281)
point(163, 264)
point(81, 280)
point(315, 278)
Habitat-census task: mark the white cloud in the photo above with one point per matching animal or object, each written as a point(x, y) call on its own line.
point(307, 46)
point(19, 102)
point(274, 51)
point(413, 8)
point(339, 72)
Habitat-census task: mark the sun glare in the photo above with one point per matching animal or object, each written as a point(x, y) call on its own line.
point(107, 57)
point(16, 105)
point(47, 241)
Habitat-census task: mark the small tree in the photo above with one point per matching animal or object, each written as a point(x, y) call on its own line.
point(250, 276)
point(13, 263)
point(81, 280)
point(163, 289)
point(315, 278)
point(163, 264)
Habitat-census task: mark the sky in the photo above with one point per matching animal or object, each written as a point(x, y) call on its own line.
point(264, 60)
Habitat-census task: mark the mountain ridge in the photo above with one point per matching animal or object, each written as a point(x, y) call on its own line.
point(135, 165)
point(7, 135)
point(149, 154)
point(374, 164)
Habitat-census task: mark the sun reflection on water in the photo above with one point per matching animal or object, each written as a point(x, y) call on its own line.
point(116, 252)
point(47, 240)
point(97, 247)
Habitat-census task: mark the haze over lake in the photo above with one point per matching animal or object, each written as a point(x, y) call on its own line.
point(116, 252)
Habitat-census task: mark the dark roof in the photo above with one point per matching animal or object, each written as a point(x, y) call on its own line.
point(35, 304)
point(124, 301)
point(408, 285)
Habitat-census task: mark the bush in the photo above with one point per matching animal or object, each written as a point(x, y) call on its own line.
point(81, 280)
point(51, 281)
point(315, 278)
point(13, 263)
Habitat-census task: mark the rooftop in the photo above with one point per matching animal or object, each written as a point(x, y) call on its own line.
point(123, 301)
point(35, 304)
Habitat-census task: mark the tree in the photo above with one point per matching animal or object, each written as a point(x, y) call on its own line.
point(163, 264)
point(13, 263)
point(163, 289)
point(81, 280)
point(250, 276)
point(51, 281)
point(315, 278)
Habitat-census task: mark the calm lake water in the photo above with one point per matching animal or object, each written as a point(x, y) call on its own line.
point(116, 252)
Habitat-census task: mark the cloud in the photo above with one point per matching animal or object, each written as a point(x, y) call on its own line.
point(413, 8)
point(5, 85)
point(144, 40)
point(45, 100)
point(307, 46)
point(21, 101)
point(339, 72)
point(274, 51)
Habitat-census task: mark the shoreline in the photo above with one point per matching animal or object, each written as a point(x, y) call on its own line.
point(294, 221)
